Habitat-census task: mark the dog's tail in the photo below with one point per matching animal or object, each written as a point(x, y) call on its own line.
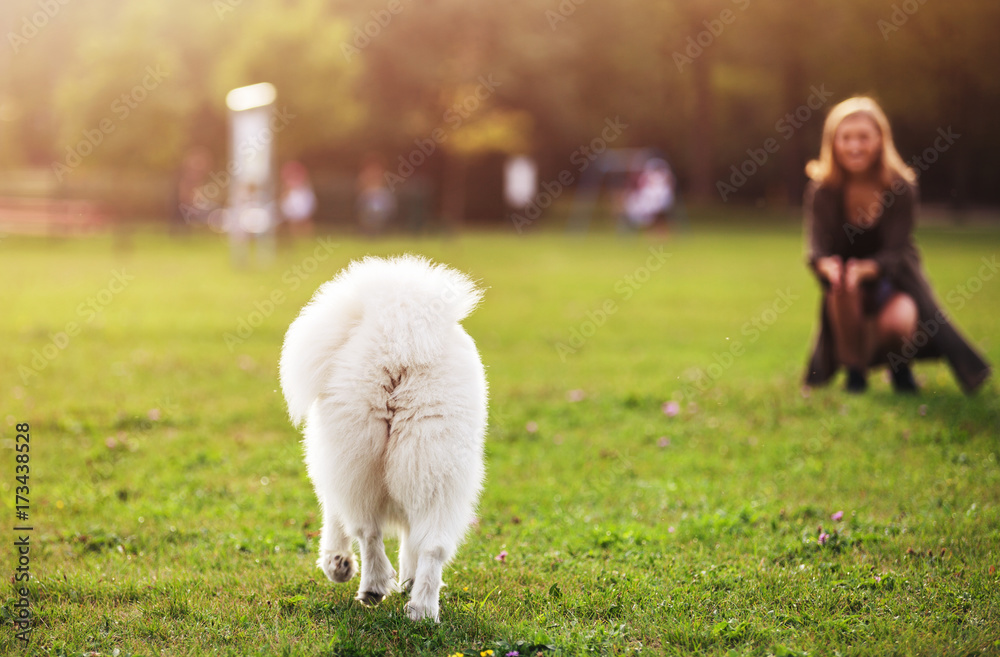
point(402, 309)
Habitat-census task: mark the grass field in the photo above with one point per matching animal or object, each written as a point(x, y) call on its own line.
point(172, 513)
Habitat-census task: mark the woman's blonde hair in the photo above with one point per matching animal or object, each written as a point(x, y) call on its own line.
point(826, 171)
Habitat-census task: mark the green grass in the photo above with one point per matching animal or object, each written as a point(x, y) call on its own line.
point(172, 513)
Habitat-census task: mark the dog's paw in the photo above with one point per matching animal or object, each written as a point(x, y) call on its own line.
point(374, 588)
point(369, 598)
point(338, 566)
point(417, 611)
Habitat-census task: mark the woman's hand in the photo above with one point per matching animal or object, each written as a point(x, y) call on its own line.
point(832, 269)
point(858, 271)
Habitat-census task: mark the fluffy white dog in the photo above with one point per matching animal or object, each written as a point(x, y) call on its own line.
point(393, 395)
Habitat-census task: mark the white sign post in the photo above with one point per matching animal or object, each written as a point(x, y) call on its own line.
point(252, 210)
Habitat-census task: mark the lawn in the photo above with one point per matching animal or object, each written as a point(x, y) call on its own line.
point(658, 481)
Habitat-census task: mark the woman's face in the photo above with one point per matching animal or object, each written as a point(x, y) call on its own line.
point(857, 144)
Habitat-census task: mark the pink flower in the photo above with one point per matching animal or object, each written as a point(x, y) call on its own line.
point(502, 557)
point(576, 395)
point(671, 408)
point(837, 516)
point(663, 441)
point(823, 538)
point(531, 427)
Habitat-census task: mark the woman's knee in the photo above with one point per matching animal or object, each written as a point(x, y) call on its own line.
point(898, 318)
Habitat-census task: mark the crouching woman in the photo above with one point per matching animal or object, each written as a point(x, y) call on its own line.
point(877, 307)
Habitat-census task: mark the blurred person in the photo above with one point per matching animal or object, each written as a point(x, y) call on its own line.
point(298, 200)
point(190, 202)
point(651, 196)
point(376, 203)
point(877, 305)
point(520, 182)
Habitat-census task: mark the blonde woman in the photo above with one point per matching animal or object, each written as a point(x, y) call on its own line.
point(877, 304)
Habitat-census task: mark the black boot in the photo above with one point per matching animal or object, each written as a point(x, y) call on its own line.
point(857, 382)
point(903, 381)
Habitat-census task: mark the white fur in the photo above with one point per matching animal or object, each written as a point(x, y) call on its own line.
point(393, 395)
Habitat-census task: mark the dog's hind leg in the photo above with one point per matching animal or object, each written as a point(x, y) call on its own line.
point(433, 550)
point(407, 561)
point(336, 558)
point(427, 587)
point(377, 575)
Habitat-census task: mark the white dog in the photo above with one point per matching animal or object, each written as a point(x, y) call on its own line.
point(393, 394)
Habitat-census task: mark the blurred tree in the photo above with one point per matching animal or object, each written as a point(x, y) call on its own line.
point(492, 131)
point(291, 43)
point(133, 84)
point(140, 82)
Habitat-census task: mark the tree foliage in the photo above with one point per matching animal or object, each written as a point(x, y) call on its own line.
point(707, 81)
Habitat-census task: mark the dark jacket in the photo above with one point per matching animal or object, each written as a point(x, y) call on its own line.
point(889, 242)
